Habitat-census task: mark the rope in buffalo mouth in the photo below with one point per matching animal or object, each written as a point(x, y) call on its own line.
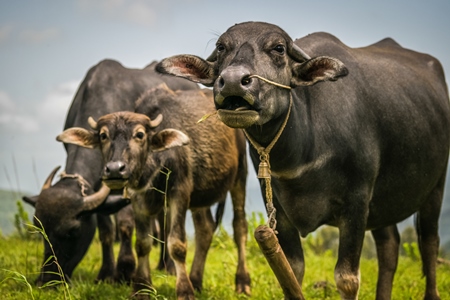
point(206, 116)
point(270, 82)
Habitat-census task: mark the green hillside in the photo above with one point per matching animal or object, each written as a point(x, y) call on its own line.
point(8, 208)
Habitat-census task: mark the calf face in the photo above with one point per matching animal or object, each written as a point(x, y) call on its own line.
point(126, 139)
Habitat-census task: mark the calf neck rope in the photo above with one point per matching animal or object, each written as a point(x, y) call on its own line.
point(81, 181)
point(264, 167)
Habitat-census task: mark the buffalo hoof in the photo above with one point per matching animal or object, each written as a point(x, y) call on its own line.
point(243, 284)
point(125, 269)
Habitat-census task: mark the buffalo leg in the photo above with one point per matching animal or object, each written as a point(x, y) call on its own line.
point(427, 233)
point(141, 278)
point(204, 230)
point(125, 261)
point(177, 245)
point(387, 241)
point(289, 240)
point(165, 262)
point(240, 230)
point(351, 238)
point(106, 235)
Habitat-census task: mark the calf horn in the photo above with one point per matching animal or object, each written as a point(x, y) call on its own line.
point(92, 123)
point(93, 201)
point(154, 123)
point(48, 181)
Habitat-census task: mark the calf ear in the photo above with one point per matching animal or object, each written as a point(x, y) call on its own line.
point(190, 67)
point(32, 200)
point(78, 136)
point(322, 68)
point(168, 138)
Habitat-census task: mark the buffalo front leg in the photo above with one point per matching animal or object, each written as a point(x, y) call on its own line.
point(351, 236)
point(289, 240)
point(240, 230)
point(387, 241)
point(143, 245)
point(126, 263)
point(204, 230)
point(178, 247)
point(106, 235)
point(165, 262)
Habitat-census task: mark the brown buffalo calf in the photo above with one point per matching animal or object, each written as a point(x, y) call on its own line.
point(211, 162)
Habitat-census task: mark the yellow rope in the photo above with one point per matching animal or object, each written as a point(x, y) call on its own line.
point(81, 181)
point(264, 165)
point(271, 82)
point(265, 161)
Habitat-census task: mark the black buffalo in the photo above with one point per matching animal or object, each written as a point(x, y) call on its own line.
point(195, 176)
point(70, 210)
point(365, 145)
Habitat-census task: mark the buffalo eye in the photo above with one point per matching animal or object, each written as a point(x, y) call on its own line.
point(279, 49)
point(140, 135)
point(103, 136)
point(220, 47)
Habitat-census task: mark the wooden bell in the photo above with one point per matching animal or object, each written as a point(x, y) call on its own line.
point(263, 170)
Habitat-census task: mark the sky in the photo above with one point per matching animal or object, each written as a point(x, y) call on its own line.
point(46, 48)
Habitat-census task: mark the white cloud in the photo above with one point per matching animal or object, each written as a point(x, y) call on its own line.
point(34, 36)
point(142, 12)
point(12, 119)
point(53, 109)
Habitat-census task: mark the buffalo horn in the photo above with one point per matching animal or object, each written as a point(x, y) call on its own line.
point(93, 201)
point(48, 181)
point(298, 54)
point(92, 123)
point(154, 123)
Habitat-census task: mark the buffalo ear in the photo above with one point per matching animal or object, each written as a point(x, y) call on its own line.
point(190, 67)
point(78, 136)
point(322, 68)
point(32, 200)
point(168, 138)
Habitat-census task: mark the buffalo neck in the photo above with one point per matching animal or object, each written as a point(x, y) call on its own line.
point(87, 163)
point(293, 143)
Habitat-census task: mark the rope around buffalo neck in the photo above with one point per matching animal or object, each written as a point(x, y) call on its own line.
point(81, 181)
point(265, 160)
point(264, 153)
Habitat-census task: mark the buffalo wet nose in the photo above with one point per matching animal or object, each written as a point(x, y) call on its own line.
point(234, 80)
point(115, 169)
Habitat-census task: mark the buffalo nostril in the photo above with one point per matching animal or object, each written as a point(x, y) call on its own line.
point(221, 82)
point(107, 171)
point(115, 169)
point(246, 80)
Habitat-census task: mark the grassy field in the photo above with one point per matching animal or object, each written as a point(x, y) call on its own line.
point(20, 261)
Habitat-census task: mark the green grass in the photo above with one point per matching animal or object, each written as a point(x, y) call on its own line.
point(20, 261)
